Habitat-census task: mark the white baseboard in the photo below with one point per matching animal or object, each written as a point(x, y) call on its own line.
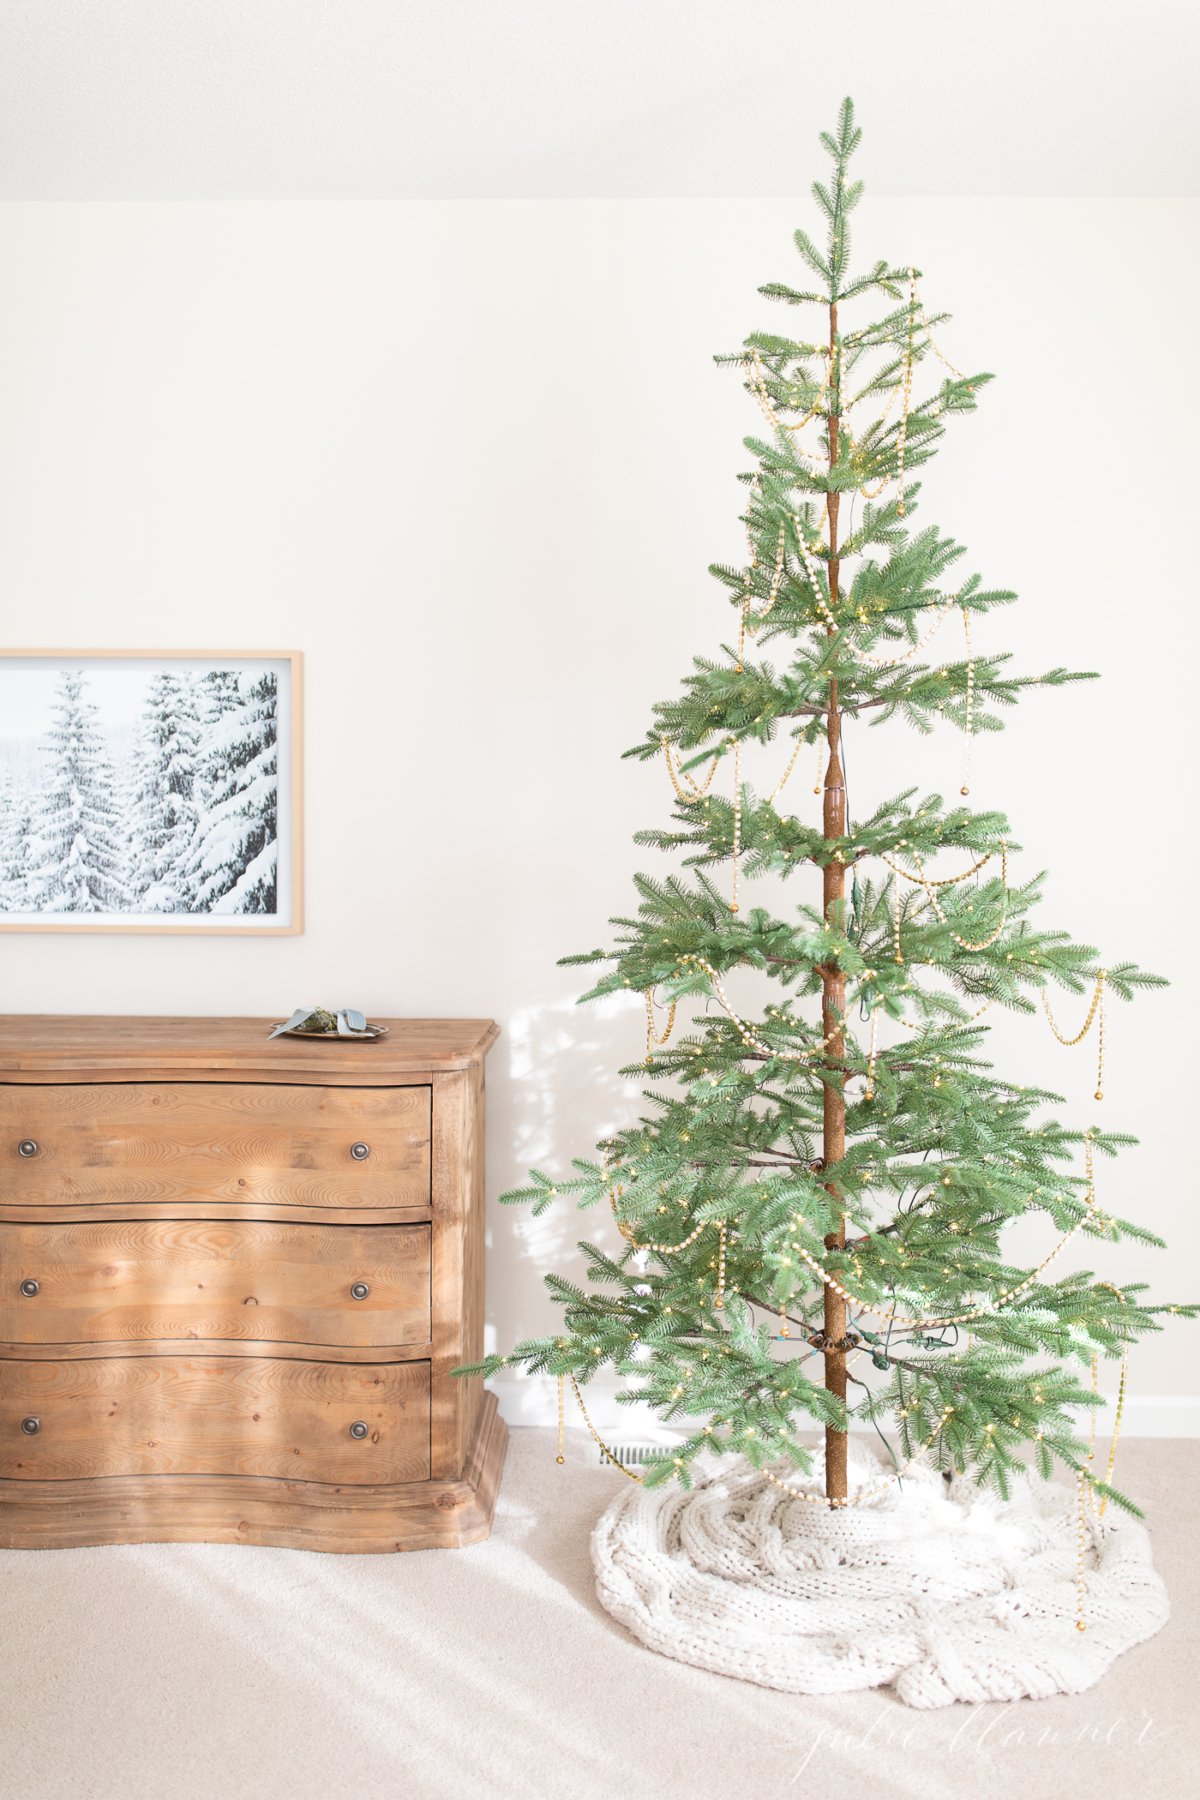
point(533, 1400)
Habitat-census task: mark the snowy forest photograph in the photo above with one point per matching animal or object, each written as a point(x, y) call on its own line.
point(147, 791)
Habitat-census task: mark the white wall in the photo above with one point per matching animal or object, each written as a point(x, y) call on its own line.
point(473, 460)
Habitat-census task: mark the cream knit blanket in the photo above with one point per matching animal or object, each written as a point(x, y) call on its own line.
point(944, 1591)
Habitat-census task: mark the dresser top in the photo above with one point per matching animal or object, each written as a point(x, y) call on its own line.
point(57, 1043)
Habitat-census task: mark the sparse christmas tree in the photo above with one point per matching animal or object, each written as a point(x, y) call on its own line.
point(163, 810)
point(233, 864)
point(816, 1199)
point(76, 856)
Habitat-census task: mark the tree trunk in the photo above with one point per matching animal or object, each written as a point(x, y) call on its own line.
point(833, 998)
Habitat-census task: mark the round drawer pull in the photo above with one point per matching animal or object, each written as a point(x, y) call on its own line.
point(360, 1152)
point(357, 1430)
point(30, 1287)
point(27, 1147)
point(31, 1427)
point(360, 1290)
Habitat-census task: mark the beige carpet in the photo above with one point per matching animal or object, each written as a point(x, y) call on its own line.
point(200, 1672)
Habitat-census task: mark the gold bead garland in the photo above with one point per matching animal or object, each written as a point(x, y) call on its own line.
point(895, 1317)
point(560, 1457)
point(942, 608)
point(757, 381)
point(745, 628)
point(902, 442)
point(869, 1089)
point(1096, 1007)
point(737, 824)
point(944, 881)
point(970, 710)
point(905, 389)
point(597, 1439)
point(1120, 1409)
point(931, 894)
point(744, 1031)
point(1080, 1550)
point(654, 1041)
point(933, 345)
point(718, 1225)
point(696, 793)
point(783, 779)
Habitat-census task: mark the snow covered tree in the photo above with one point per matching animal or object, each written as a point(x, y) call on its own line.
point(163, 812)
point(77, 857)
point(815, 1201)
point(16, 810)
point(233, 864)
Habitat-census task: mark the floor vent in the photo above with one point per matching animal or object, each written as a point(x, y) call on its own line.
point(633, 1454)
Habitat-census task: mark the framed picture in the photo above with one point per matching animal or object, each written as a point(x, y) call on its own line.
point(150, 790)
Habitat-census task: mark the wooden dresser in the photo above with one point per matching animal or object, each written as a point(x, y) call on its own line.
point(235, 1276)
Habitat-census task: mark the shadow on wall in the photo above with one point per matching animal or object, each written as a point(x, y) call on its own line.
point(561, 1096)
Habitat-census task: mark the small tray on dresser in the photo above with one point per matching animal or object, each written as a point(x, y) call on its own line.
point(236, 1274)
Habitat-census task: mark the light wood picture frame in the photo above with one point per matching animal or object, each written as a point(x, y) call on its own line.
point(156, 791)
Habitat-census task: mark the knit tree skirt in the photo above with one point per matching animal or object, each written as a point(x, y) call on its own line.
point(944, 1591)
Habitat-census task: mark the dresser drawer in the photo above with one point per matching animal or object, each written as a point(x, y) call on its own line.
point(253, 1144)
point(215, 1415)
point(133, 1281)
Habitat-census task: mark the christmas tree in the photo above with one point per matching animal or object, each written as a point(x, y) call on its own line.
point(816, 1199)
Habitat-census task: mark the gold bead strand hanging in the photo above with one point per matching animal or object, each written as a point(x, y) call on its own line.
point(1122, 1384)
point(931, 895)
point(745, 628)
point(751, 1040)
point(872, 1052)
point(946, 880)
point(902, 443)
point(734, 905)
point(784, 778)
point(560, 1458)
point(654, 1041)
point(693, 793)
point(966, 779)
point(1095, 1012)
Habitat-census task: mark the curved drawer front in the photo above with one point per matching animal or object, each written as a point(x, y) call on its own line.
point(162, 1142)
point(135, 1415)
point(133, 1281)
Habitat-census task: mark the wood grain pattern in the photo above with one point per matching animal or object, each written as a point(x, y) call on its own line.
point(137, 1281)
point(185, 1142)
point(107, 1047)
point(261, 1416)
point(421, 1515)
point(184, 1170)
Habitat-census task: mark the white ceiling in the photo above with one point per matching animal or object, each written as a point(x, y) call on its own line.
point(333, 99)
